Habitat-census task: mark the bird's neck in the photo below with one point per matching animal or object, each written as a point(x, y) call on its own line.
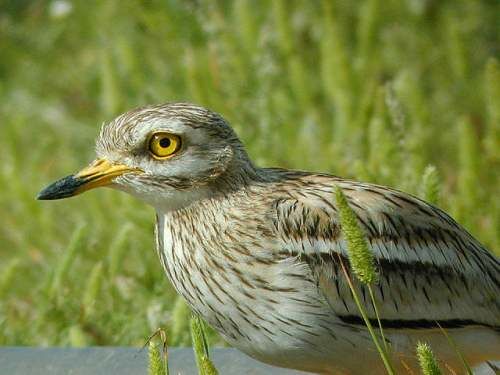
point(237, 178)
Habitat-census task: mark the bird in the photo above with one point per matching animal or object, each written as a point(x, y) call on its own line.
point(258, 252)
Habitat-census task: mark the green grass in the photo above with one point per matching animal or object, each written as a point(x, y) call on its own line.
point(372, 90)
point(200, 347)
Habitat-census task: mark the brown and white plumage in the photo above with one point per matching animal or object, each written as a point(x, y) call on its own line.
point(426, 259)
point(257, 251)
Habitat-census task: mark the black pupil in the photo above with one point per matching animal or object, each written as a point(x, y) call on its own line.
point(165, 142)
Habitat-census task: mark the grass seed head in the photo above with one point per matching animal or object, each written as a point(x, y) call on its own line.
point(361, 258)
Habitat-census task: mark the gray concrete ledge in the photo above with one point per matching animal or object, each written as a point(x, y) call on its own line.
point(123, 361)
point(132, 361)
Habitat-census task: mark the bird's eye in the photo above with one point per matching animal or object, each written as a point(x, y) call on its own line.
point(163, 145)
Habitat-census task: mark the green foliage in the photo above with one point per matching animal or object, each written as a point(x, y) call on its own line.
point(181, 315)
point(8, 275)
point(77, 337)
point(200, 347)
point(428, 363)
point(361, 257)
point(430, 185)
point(62, 270)
point(91, 293)
point(117, 249)
point(492, 94)
point(372, 90)
point(469, 173)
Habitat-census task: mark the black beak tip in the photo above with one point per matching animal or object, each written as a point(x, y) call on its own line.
point(41, 196)
point(64, 188)
point(44, 195)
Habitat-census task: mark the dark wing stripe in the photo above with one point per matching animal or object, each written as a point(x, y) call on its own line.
point(413, 324)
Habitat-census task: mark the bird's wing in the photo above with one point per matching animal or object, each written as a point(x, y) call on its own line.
point(431, 270)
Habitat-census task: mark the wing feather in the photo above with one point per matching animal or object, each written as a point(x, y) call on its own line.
point(431, 269)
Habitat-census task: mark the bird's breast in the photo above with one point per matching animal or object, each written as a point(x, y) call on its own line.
point(254, 302)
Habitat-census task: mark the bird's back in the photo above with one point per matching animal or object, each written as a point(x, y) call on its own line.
point(431, 269)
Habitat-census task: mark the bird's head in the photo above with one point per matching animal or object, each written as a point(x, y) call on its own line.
point(167, 155)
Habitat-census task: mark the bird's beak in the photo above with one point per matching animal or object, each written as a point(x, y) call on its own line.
point(99, 173)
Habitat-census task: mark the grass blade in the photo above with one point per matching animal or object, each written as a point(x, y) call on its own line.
point(156, 364)
point(452, 343)
point(200, 346)
point(363, 264)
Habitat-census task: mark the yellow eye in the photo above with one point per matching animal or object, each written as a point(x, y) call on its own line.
point(163, 145)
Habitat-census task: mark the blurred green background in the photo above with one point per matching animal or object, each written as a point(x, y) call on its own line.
point(398, 92)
